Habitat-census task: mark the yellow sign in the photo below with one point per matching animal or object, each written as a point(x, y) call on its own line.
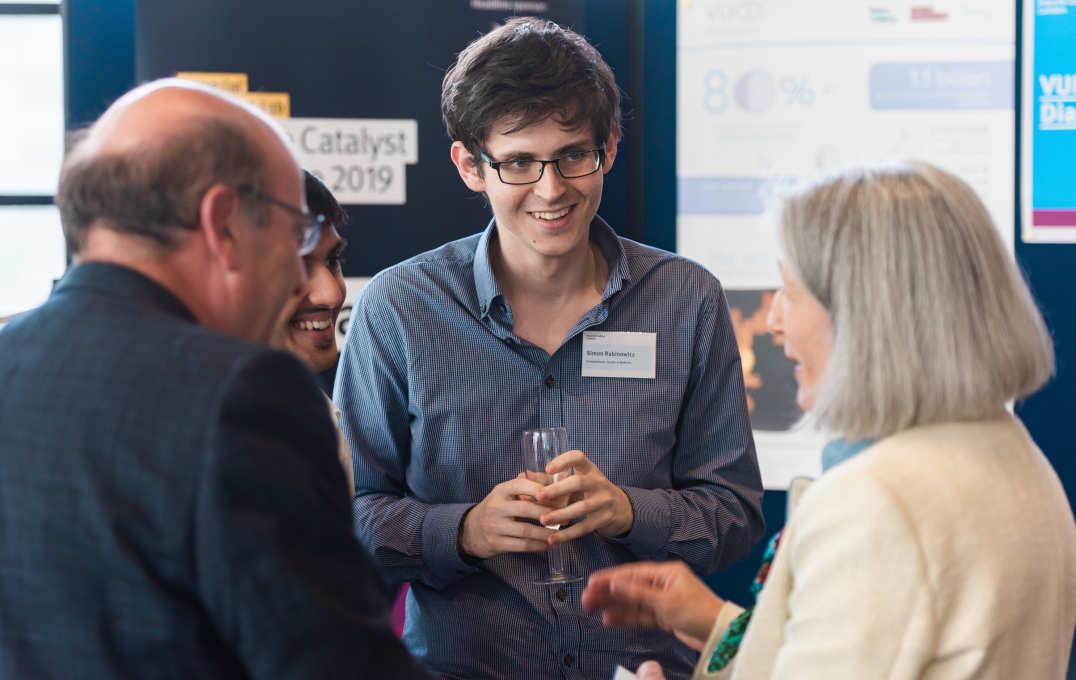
point(276, 104)
point(235, 83)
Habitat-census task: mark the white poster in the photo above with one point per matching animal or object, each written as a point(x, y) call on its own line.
point(360, 160)
point(354, 285)
point(774, 92)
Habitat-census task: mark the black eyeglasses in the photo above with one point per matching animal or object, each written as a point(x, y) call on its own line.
point(311, 227)
point(529, 170)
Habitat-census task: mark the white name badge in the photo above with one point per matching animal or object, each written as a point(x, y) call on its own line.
point(618, 354)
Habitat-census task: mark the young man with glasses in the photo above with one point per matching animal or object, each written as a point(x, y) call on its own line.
point(546, 318)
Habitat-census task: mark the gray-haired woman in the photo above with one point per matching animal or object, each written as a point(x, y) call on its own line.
point(939, 542)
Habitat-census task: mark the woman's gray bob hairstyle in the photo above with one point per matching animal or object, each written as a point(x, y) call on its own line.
point(931, 318)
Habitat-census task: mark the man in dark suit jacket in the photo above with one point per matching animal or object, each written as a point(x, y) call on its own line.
point(171, 504)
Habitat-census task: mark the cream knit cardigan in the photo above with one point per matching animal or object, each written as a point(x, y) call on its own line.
point(942, 552)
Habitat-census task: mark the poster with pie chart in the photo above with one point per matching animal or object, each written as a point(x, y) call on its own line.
point(774, 93)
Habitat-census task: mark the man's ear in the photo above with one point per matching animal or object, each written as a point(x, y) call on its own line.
point(467, 165)
point(219, 214)
point(610, 147)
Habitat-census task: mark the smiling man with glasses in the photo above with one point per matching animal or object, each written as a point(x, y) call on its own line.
point(546, 318)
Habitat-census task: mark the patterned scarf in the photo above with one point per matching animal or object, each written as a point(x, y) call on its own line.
point(730, 641)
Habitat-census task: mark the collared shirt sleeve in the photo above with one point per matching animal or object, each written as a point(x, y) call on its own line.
point(712, 514)
point(729, 612)
point(410, 540)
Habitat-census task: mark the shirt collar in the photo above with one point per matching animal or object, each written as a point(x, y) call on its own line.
point(485, 284)
point(600, 233)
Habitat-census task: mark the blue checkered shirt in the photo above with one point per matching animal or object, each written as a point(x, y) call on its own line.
point(436, 391)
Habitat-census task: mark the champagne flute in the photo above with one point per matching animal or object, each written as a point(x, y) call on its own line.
point(540, 446)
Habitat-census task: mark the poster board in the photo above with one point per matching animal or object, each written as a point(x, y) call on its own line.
point(775, 93)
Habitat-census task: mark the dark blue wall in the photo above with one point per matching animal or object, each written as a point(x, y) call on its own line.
point(99, 57)
point(346, 60)
point(1049, 269)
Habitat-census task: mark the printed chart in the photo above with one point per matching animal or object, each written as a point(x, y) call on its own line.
point(773, 93)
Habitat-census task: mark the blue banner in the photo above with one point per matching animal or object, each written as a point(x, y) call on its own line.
point(1052, 114)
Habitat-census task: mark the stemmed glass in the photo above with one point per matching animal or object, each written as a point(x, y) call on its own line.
point(540, 446)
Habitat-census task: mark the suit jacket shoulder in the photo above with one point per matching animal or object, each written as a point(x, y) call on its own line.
point(181, 510)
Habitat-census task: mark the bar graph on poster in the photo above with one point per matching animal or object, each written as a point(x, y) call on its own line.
point(773, 93)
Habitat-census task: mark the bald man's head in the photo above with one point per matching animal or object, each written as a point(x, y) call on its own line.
point(144, 166)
